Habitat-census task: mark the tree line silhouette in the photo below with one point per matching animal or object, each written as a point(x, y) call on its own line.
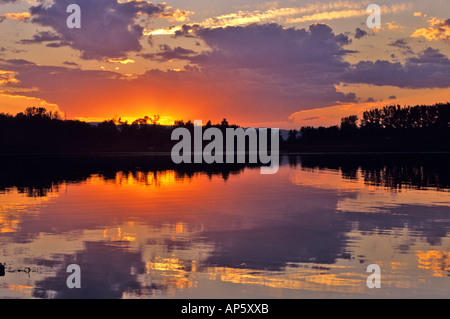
point(37, 130)
point(391, 128)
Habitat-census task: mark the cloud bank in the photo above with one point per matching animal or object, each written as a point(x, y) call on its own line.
point(259, 72)
point(109, 29)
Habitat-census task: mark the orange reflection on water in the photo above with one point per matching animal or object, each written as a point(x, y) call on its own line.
point(173, 273)
point(13, 203)
point(167, 219)
point(23, 289)
point(296, 278)
point(116, 234)
point(180, 227)
point(158, 178)
point(8, 223)
point(176, 275)
point(166, 264)
point(435, 260)
point(398, 265)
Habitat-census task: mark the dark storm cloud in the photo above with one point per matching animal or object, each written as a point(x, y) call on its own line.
point(294, 52)
point(168, 54)
point(302, 65)
point(19, 62)
point(432, 57)
point(401, 44)
point(108, 27)
point(312, 118)
point(45, 36)
point(430, 69)
point(70, 63)
point(359, 33)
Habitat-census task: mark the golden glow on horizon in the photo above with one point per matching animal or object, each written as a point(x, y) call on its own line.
point(163, 120)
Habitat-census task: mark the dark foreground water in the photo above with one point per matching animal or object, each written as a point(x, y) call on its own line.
point(140, 227)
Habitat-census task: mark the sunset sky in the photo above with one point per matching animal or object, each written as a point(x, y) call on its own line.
point(286, 63)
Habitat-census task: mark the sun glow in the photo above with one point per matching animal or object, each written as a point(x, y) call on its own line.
point(163, 120)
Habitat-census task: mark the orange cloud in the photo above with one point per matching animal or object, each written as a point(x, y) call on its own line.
point(176, 14)
point(121, 61)
point(7, 77)
point(329, 15)
point(393, 26)
point(21, 16)
point(313, 12)
point(438, 30)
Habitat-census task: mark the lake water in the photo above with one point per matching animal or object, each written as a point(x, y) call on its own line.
point(143, 228)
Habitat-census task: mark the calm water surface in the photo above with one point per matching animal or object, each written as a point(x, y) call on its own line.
point(309, 231)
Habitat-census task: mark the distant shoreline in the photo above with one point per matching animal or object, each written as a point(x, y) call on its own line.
point(391, 129)
point(126, 153)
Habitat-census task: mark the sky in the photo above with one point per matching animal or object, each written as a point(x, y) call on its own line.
point(285, 64)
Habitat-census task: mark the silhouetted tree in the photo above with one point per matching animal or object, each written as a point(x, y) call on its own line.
point(349, 123)
point(292, 136)
point(179, 123)
point(391, 128)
